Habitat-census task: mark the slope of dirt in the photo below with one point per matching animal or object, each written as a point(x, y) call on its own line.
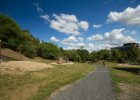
point(8, 54)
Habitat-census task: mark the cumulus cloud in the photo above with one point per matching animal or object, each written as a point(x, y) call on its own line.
point(75, 45)
point(73, 42)
point(70, 39)
point(84, 25)
point(95, 47)
point(66, 23)
point(130, 16)
point(54, 39)
point(97, 26)
point(96, 37)
point(117, 37)
point(110, 39)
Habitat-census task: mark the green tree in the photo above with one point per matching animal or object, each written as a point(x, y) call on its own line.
point(116, 55)
point(73, 55)
point(29, 51)
point(133, 54)
point(49, 51)
point(104, 54)
point(93, 56)
point(84, 54)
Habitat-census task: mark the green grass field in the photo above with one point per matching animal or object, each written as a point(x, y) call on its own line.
point(38, 85)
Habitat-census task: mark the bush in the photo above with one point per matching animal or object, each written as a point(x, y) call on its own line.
point(49, 51)
point(29, 51)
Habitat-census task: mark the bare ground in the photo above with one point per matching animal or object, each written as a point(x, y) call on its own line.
point(130, 91)
point(21, 66)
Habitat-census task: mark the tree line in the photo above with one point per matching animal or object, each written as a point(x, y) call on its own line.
point(13, 37)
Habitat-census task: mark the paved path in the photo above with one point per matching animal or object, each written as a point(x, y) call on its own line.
point(95, 86)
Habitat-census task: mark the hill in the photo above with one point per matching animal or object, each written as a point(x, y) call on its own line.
point(17, 39)
point(8, 54)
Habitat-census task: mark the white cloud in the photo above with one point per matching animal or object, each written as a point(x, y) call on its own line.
point(66, 17)
point(75, 45)
point(38, 8)
point(90, 47)
point(96, 37)
point(110, 39)
point(46, 17)
point(84, 25)
point(115, 34)
point(66, 23)
point(97, 26)
point(105, 46)
point(130, 16)
point(133, 33)
point(69, 40)
point(117, 37)
point(54, 39)
point(73, 42)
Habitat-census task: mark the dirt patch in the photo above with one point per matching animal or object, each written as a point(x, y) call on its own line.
point(130, 91)
point(8, 53)
point(21, 66)
point(127, 65)
point(69, 63)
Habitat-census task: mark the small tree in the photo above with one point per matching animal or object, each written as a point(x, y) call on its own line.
point(116, 55)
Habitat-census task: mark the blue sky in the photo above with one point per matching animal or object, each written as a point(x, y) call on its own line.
point(94, 24)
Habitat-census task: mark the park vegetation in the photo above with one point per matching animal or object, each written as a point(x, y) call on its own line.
point(15, 38)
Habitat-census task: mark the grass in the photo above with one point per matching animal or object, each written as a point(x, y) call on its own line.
point(127, 75)
point(61, 76)
point(42, 60)
point(46, 81)
point(120, 73)
point(11, 82)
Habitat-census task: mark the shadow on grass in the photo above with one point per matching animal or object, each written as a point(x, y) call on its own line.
point(128, 69)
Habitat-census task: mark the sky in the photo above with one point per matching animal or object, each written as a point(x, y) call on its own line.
point(93, 24)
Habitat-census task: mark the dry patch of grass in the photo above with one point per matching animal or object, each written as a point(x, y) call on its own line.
point(42, 60)
point(126, 81)
point(20, 66)
point(130, 91)
point(39, 84)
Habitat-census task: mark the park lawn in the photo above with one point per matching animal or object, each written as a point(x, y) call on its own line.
point(38, 85)
point(126, 81)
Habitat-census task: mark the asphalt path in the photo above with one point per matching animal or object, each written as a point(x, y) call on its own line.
point(95, 86)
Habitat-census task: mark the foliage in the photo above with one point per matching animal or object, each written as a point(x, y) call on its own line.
point(84, 54)
point(73, 55)
point(93, 56)
point(116, 55)
point(29, 51)
point(103, 54)
point(49, 51)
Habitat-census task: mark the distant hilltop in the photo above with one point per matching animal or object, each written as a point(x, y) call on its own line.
point(127, 46)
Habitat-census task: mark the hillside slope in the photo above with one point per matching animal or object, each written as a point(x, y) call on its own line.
point(8, 54)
